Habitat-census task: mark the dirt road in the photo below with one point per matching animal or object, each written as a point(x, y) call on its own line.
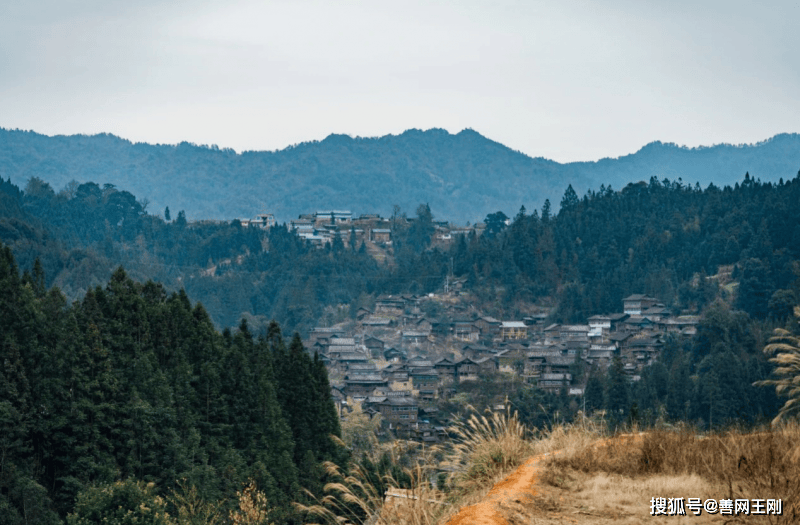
point(517, 487)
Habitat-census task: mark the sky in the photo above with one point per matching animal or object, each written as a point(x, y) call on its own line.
point(566, 80)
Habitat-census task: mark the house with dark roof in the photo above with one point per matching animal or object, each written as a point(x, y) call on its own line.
point(552, 333)
point(476, 351)
point(637, 323)
point(512, 360)
point(424, 382)
point(600, 350)
point(380, 235)
point(513, 330)
point(553, 382)
point(341, 361)
point(574, 332)
point(367, 368)
point(466, 330)
point(656, 313)
point(535, 321)
point(636, 303)
point(389, 305)
point(394, 355)
point(489, 326)
point(486, 365)
point(419, 362)
point(467, 370)
point(420, 324)
point(441, 328)
point(414, 339)
point(334, 351)
point(446, 368)
point(342, 341)
point(399, 413)
point(374, 345)
point(360, 386)
point(378, 322)
point(617, 320)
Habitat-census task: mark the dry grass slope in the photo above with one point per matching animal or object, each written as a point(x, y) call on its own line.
point(624, 472)
point(578, 474)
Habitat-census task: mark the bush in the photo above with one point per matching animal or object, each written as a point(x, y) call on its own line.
point(122, 503)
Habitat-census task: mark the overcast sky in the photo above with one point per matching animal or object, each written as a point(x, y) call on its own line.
point(564, 80)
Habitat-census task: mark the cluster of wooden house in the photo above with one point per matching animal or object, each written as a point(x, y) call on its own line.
point(322, 226)
point(262, 220)
point(397, 362)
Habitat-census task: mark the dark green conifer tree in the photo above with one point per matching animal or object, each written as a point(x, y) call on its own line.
point(593, 395)
point(617, 391)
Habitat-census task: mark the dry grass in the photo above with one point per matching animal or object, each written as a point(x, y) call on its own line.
point(486, 448)
point(570, 439)
point(354, 499)
point(585, 477)
point(623, 499)
point(682, 464)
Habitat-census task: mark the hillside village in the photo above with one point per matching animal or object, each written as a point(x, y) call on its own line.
point(397, 361)
point(323, 226)
point(407, 353)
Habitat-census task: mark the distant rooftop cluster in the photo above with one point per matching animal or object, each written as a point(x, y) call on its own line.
point(398, 362)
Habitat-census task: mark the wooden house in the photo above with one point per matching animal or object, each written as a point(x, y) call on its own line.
point(467, 370)
point(361, 385)
point(574, 332)
point(394, 355)
point(486, 365)
point(388, 305)
point(378, 322)
point(446, 368)
point(374, 346)
point(489, 326)
point(476, 351)
point(617, 321)
point(553, 382)
point(399, 411)
point(599, 325)
point(636, 303)
point(513, 330)
point(424, 383)
point(552, 333)
point(511, 361)
point(380, 235)
point(466, 331)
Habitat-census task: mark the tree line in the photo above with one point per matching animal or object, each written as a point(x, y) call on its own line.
point(663, 238)
point(134, 383)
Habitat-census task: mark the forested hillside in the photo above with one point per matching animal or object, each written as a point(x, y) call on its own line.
point(463, 177)
point(663, 238)
point(82, 234)
point(132, 383)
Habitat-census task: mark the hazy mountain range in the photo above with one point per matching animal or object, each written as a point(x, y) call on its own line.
point(463, 176)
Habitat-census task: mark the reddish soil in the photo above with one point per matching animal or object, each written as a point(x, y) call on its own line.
point(517, 488)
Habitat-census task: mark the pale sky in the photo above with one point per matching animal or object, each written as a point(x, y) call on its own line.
point(565, 80)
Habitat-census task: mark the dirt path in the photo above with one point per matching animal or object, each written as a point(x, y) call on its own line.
point(515, 488)
point(519, 487)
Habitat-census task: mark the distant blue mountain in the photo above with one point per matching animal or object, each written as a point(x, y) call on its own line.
point(463, 176)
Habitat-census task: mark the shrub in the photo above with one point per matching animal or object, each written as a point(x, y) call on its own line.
point(122, 503)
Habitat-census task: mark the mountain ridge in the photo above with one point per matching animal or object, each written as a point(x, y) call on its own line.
point(463, 176)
